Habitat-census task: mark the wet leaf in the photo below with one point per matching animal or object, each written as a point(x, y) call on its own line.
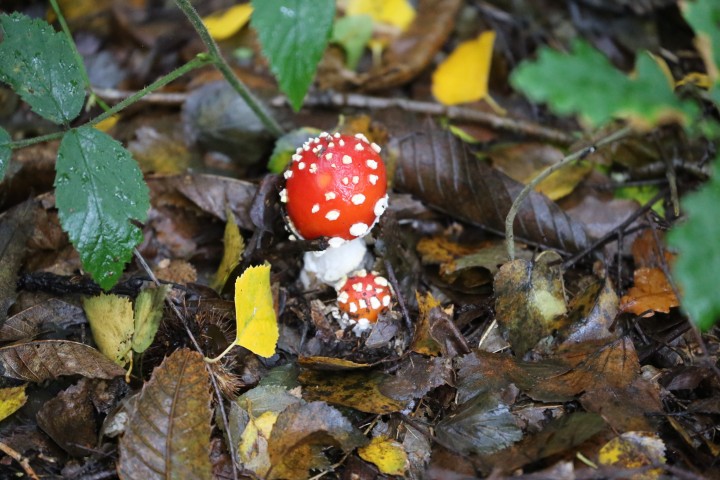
point(463, 76)
point(11, 400)
point(530, 300)
point(482, 425)
point(387, 454)
point(233, 248)
point(352, 33)
point(40, 67)
point(300, 435)
point(69, 419)
point(49, 359)
point(592, 313)
point(15, 230)
point(635, 450)
point(99, 190)
point(651, 293)
point(168, 430)
point(435, 332)
point(257, 328)
point(112, 325)
point(647, 98)
point(355, 389)
point(223, 25)
point(696, 266)
point(286, 27)
point(148, 313)
point(5, 152)
point(440, 170)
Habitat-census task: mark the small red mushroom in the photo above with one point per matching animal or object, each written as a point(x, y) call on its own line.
point(363, 296)
point(335, 187)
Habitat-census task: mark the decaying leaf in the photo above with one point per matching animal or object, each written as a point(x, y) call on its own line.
point(591, 313)
point(233, 248)
point(49, 359)
point(149, 306)
point(301, 433)
point(635, 450)
point(44, 317)
point(651, 293)
point(387, 454)
point(69, 419)
point(463, 76)
point(168, 431)
point(11, 400)
point(530, 299)
point(253, 443)
point(112, 324)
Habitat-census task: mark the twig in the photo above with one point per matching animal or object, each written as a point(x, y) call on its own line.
point(23, 461)
point(220, 63)
point(510, 219)
point(223, 414)
point(335, 99)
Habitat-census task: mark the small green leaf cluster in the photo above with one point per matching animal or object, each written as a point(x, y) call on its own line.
point(99, 187)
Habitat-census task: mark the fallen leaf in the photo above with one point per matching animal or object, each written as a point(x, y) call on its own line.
point(11, 399)
point(651, 293)
point(233, 248)
point(48, 316)
point(387, 454)
point(168, 431)
point(69, 419)
point(463, 76)
point(149, 306)
point(223, 25)
point(257, 328)
point(253, 445)
point(112, 325)
point(398, 13)
point(635, 450)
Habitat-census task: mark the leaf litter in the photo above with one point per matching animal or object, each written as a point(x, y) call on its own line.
point(483, 366)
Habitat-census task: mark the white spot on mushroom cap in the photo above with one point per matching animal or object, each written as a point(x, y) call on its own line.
point(375, 303)
point(347, 159)
point(331, 145)
point(341, 142)
point(353, 307)
point(332, 215)
point(313, 168)
point(301, 165)
point(330, 196)
point(380, 206)
point(359, 147)
point(362, 303)
point(296, 157)
point(386, 300)
point(343, 297)
point(372, 164)
point(287, 174)
point(337, 135)
point(373, 179)
point(324, 134)
point(315, 208)
point(359, 229)
point(357, 286)
point(382, 281)
point(358, 199)
point(375, 147)
point(356, 179)
point(345, 180)
point(328, 156)
point(283, 195)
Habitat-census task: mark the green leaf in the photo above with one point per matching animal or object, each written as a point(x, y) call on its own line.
point(38, 63)
point(5, 151)
point(704, 17)
point(584, 82)
point(148, 314)
point(698, 260)
point(286, 145)
point(352, 33)
point(99, 189)
point(293, 35)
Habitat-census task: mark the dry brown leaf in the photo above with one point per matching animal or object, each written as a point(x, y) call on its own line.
point(168, 430)
point(69, 419)
point(48, 359)
point(44, 317)
point(651, 293)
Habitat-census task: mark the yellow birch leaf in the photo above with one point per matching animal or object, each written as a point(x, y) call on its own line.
point(232, 250)
point(11, 399)
point(463, 76)
point(222, 25)
point(112, 324)
point(398, 13)
point(387, 454)
point(257, 328)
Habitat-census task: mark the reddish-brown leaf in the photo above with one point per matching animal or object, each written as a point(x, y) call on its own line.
point(48, 359)
point(168, 432)
point(439, 169)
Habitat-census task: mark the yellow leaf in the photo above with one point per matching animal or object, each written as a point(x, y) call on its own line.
point(11, 399)
point(257, 328)
point(149, 306)
point(253, 446)
point(463, 76)
point(387, 454)
point(234, 247)
point(225, 24)
point(112, 324)
point(108, 123)
point(635, 450)
point(398, 13)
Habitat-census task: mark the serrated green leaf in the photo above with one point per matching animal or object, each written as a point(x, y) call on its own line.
point(704, 18)
point(5, 151)
point(38, 63)
point(99, 189)
point(584, 82)
point(698, 260)
point(293, 35)
point(352, 33)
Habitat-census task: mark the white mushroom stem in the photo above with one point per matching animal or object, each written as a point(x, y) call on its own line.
point(332, 265)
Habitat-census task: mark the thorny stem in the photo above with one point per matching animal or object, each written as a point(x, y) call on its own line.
point(199, 61)
point(78, 57)
point(510, 219)
point(220, 63)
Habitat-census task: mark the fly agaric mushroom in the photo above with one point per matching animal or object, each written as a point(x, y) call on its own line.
point(335, 187)
point(362, 297)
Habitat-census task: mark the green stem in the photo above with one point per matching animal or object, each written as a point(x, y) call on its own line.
point(253, 102)
point(510, 219)
point(197, 62)
point(76, 54)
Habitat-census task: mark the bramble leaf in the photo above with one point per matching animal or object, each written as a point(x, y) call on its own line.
point(99, 189)
point(293, 35)
point(38, 63)
point(5, 151)
point(697, 264)
point(597, 91)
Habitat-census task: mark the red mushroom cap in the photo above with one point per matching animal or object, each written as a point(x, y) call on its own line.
point(364, 295)
point(335, 187)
